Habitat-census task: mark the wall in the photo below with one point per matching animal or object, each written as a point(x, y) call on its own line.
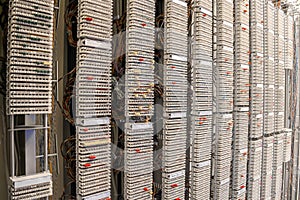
point(3, 163)
point(59, 55)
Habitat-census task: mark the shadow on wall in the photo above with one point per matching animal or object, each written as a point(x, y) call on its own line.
point(3, 161)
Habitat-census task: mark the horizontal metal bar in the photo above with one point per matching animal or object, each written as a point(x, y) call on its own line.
point(49, 155)
point(28, 128)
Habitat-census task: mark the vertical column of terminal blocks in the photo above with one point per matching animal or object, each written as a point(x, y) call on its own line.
point(201, 119)
point(269, 77)
point(279, 103)
point(289, 43)
point(29, 82)
point(277, 166)
point(254, 169)
point(241, 99)
point(93, 99)
point(280, 72)
point(139, 99)
point(256, 75)
point(267, 167)
point(224, 99)
point(256, 99)
point(175, 100)
point(266, 176)
point(29, 71)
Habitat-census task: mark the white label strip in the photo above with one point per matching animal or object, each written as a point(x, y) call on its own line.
point(205, 113)
point(260, 85)
point(226, 116)
point(244, 109)
point(259, 116)
point(270, 145)
point(271, 58)
point(176, 174)
point(228, 24)
point(141, 126)
point(260, 54)
point(177, 115)
point(203, 164)
point(245, 26)
point(98, 44)
point(244, 150)
point(99, 196)
point(180, 58)
point(205, 62)
point(206, 11)
point(93, 121)
point(225, 181)
point(271, 114)
point(271, 86)
point(271, 31)
point(180, 3)
point(245, 66)
point(27, 181)
point(281, 113)
point(230, 2)
point(242, 191)
point(228, 49)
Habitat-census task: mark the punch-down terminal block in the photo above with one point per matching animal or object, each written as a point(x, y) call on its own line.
point(279, 93)
point(277, 165)
point(256, 99)
point(289, 41)
point(201, 119)
point(280, 74)
point(139, 159)
point(93, 107)
point(267, 167)
point(175, 66)
point(139, 99)
point(254, 169)
point(287, 144)
point(267, 164)
point(31, 187)
point(269, 64)
point(241, 99)
point(30, 52)
point(256, 75)
point(224, 99)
